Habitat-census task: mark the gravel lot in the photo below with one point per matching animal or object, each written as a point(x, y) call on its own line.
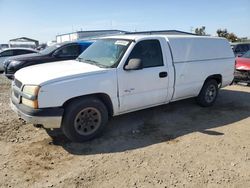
point(175, 145)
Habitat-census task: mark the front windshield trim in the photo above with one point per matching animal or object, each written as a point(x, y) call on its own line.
point(117, 38)
point(115, 65)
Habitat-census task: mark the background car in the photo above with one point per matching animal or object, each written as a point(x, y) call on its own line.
point(240, 48)
point(57, 52)
point(3, 46)
point(242, 72)
point(6, 53)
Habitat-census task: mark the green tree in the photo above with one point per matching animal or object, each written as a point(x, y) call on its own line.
point(232, 37)
point(200, 31)
point(224, 33)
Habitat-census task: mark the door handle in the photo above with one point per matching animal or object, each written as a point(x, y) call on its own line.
point(163, 74)
point(129, 90)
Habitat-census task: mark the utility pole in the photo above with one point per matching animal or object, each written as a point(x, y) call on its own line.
point(191, 29)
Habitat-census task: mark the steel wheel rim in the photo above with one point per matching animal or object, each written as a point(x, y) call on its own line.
point(211, 93)
point(87, 121)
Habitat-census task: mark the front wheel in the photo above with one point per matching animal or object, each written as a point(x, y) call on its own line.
point(208, 93)
point(84, 119)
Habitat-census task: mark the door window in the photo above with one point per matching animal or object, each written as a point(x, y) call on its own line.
point(7, 53)
point(149, 51)
point(21, 52)
point(69, 51)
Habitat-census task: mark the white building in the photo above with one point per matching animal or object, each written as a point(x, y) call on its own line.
point(85, 34)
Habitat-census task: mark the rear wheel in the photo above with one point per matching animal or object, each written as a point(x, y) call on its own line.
point(84, 119)
point(208, 93)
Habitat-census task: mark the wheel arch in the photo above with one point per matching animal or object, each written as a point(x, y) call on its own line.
point(105, 98)
point(207, 96)
point(217, 77)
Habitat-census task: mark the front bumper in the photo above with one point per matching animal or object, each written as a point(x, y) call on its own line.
point(48, 117)
point(8, 73)
point(242, 76)
point(9, 76)
point(1, 68)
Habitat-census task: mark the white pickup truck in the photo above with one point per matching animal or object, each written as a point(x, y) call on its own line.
point(121, 74)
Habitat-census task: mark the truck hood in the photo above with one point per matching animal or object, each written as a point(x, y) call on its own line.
point(242, 63)
point(57, 71)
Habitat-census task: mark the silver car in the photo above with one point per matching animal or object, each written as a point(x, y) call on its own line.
point(9, 52)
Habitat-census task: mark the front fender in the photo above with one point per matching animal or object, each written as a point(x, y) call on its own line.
point(55, 94)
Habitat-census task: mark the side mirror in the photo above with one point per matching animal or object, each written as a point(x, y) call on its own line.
point(134, 64)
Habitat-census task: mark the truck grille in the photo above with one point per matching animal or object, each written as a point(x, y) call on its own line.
point(17, 86)
point(15, 94)
point(18, 83)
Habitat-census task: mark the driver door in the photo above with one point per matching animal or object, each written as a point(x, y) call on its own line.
point(145, 87)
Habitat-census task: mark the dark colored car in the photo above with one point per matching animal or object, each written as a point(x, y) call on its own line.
point(9, 52)
point(240, 48)
point(242, 72)
point(57, 52)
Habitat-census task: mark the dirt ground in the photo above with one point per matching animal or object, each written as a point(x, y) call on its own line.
point(175, 145)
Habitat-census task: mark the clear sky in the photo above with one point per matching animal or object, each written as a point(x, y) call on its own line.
point(44, 19)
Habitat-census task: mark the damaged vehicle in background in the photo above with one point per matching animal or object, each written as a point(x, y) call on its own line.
point(242, 71)
point(240, 48)
point(57, 52)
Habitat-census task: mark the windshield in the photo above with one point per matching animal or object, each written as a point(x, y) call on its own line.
point(50, 49)
point(247, 54)
point(105, 53)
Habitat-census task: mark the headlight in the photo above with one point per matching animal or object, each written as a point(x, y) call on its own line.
point(29, 96)
point(30, 103)
point(14, 63)
point(6, 63)
point(31, 90)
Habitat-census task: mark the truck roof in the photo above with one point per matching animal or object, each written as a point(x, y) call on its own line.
point(187, 48)
point(144, 36)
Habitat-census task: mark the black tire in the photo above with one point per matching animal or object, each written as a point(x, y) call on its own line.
point(57, 136)
point(208, 93)
point(84, 119)
point(53, 133)
point(38, 125)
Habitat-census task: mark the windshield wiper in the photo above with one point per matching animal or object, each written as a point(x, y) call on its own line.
point(92, 62)
point(79, 59)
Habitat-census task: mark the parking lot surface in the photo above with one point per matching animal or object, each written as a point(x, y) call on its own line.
point(174, 145)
